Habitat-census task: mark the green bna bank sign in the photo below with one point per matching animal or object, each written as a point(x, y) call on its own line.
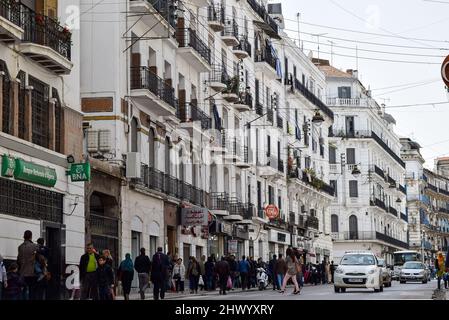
point(28, 171)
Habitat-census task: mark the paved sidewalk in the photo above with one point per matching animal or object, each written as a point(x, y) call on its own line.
point(173, 295)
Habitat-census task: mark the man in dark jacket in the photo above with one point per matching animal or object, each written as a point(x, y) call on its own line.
point(88, 277)
point(159, 273)
point(142, 264)
point(105, 279)
point(224, 271)
point(280, 269)
point(26, 260)
point(271, 265)
point(209, 268)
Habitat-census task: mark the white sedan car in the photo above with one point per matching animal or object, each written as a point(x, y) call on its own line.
point(358, 270)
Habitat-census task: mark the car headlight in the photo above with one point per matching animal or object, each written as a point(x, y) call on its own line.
point(371, 271)
point(339, 271)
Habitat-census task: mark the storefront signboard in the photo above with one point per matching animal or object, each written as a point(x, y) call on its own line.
point(232, 246)
point(79, 172)
point(31, 172)
point(8, 166)
point(194, 216)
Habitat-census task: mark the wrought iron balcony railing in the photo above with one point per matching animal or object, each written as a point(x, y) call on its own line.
point(265, 55)
point(244, 45)
point(313, 99)
point(379, 172)
point(11, 10)
point(404, 217)
point(189, 113)
point(393, 211)
point(281, 167)
point(188, 37)
point(144, 78)
point(263, 13)
point(216, 13)
point(387, 149)
point(402, 189)
point(246, 98)
point(219, 74)
point(378, 203)
point(166, 8)
point(45, 31)
point(171, 186)
point(313, 223)
point(369, 235)
point(231, 29)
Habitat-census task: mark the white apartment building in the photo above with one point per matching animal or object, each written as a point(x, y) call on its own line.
point(366, 168)
point(191, 103)
point(427, 202)
point(41, 125)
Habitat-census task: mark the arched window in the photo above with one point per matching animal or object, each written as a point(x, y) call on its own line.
point(353, 228)
point(167, 155)
point(334, 223)
point(134, 125)
point(151, 148)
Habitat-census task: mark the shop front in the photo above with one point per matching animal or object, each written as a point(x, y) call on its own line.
point(279, 241)
point(171, 222)
point(236, 244)
point(34, 196)
point(219, 231)
point(193, 232)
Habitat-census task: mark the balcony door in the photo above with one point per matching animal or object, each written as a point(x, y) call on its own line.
point(350, 128)
point(353, 228)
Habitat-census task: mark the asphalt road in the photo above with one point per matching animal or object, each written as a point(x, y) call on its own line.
point(408, 291)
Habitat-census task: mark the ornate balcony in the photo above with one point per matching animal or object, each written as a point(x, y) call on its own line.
point(230, 34)
point(153, 92)
point(45, 41)
point(193, 49)
point(218, 78)
point(266, 22)
point(216, 17)
point(243, 49)
point(191, 113)
point(245, 102)
point(265, 62)
point(10, 23)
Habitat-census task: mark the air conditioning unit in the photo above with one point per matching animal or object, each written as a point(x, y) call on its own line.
point(133, 165)
point(92, 140)
point(105, 140)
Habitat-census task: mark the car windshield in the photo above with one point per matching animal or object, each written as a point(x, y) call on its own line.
point(413, 265)
point(358, 260)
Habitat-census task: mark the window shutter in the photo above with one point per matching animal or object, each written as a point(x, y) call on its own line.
point(353, 189)
point(350, 155)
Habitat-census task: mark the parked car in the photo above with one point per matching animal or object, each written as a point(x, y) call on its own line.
point(358, 269)
point(386, 273)
point(414, 271)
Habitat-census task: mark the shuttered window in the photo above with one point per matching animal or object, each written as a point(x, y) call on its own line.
point(353, 189)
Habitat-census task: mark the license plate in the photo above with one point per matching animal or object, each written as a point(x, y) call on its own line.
point(355, 280)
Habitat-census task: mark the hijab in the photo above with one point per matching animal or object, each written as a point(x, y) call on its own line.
point(127, 264)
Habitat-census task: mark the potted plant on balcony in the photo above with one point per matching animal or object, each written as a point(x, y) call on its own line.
point(232, 85)
point(310, 173)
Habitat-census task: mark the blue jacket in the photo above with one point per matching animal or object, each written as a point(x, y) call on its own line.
point(244, 266)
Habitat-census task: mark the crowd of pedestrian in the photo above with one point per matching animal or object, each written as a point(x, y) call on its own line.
point(26, 278)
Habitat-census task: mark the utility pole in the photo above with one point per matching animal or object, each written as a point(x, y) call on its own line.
point(298, 15)
point(318, 35)
point(332, 52)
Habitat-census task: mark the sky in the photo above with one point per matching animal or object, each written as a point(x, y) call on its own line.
point(401, 30)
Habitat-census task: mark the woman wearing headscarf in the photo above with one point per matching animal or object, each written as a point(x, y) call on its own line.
point(440, 268)
point(126, 274)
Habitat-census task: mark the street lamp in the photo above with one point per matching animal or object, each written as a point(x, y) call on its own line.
point(318, 119)
point(398, 201)
point(356, 171)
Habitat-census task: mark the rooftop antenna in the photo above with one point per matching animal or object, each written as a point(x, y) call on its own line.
point(298, 15)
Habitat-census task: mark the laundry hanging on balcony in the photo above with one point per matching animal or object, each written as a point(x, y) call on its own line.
point(276, 59)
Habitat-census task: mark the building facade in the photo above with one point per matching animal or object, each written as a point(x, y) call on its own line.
point(41, 125)
point(366, 168)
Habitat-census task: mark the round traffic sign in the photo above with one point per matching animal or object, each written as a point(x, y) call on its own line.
point(272, 212)
point(445, 71)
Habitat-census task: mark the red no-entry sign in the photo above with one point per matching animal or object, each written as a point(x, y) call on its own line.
point(445, 71)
